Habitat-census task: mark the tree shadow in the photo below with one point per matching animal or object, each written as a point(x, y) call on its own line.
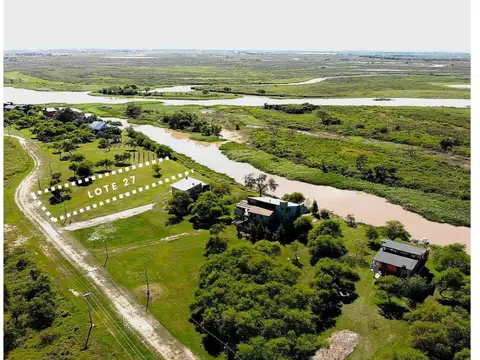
point(212, 345)
point(173, 220)
point(392, 310)
point(123, 165)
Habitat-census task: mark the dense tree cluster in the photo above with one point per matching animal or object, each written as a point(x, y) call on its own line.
point(30, 304)
point(129, 89)
point(292, 108)
point(264, 311)
point(440, 332)
point(185, 120)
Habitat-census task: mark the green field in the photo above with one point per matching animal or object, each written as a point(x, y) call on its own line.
point(110, 339)
point(95, 71)
point(391, 86)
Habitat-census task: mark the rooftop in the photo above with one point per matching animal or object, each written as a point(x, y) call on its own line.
point(397, 260)
point(270, 200)
point(260, 211)
point(98, 125)
point(187, 184)
point(403, 247)
point(50, 109)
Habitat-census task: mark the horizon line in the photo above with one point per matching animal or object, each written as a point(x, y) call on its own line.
point(240, 50)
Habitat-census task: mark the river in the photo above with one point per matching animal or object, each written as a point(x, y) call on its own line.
point(367, 208)
point(24, 96)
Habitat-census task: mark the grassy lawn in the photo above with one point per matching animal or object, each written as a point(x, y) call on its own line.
point(173, 266)
point(109, 339)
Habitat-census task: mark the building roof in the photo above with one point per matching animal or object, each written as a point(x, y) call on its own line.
point(187, 184)
point(9, 107)
point(270, 200)
point(50, 109)
point(259, 211)
point(403, 247)
point(98, 125)
point(397, 260)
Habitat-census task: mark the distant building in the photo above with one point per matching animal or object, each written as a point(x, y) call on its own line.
point(98, 125)
point(50, 112)
point(25, 108)
point(396, 258)
point(9, 107)
point(265, 209)
point(80, 119)
point(193, 186)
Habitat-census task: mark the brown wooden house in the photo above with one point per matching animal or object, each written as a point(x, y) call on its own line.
point(396, 258)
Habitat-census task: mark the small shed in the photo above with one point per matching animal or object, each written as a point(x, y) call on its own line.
point(50, 112)
point(193, 186)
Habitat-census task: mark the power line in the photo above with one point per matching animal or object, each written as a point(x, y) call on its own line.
point(62, 263)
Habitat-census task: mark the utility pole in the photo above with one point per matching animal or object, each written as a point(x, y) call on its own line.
point(148, 290)
point(87, 297)
point(39, 186)
point(50, 166)
point(106, 253)
point(225, 349)
point(65, 212)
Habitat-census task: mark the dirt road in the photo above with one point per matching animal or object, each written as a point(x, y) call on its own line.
point(150, 330)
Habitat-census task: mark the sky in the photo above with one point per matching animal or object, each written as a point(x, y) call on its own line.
point(329, 25)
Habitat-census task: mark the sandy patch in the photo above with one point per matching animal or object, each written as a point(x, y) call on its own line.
point(340, 345)
point(156, 292)
point(8, 228)
point(19, 241)
point(75, 293)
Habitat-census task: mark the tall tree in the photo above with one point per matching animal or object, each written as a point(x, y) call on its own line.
point(261, 183)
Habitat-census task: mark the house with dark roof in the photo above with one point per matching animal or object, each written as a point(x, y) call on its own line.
point(396, 258)
point(266, 209)
point(193, 186)
point(25, 108)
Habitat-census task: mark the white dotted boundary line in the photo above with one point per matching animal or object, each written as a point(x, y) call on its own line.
point(93, 177)
point(118, 197)
point(44, 208)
